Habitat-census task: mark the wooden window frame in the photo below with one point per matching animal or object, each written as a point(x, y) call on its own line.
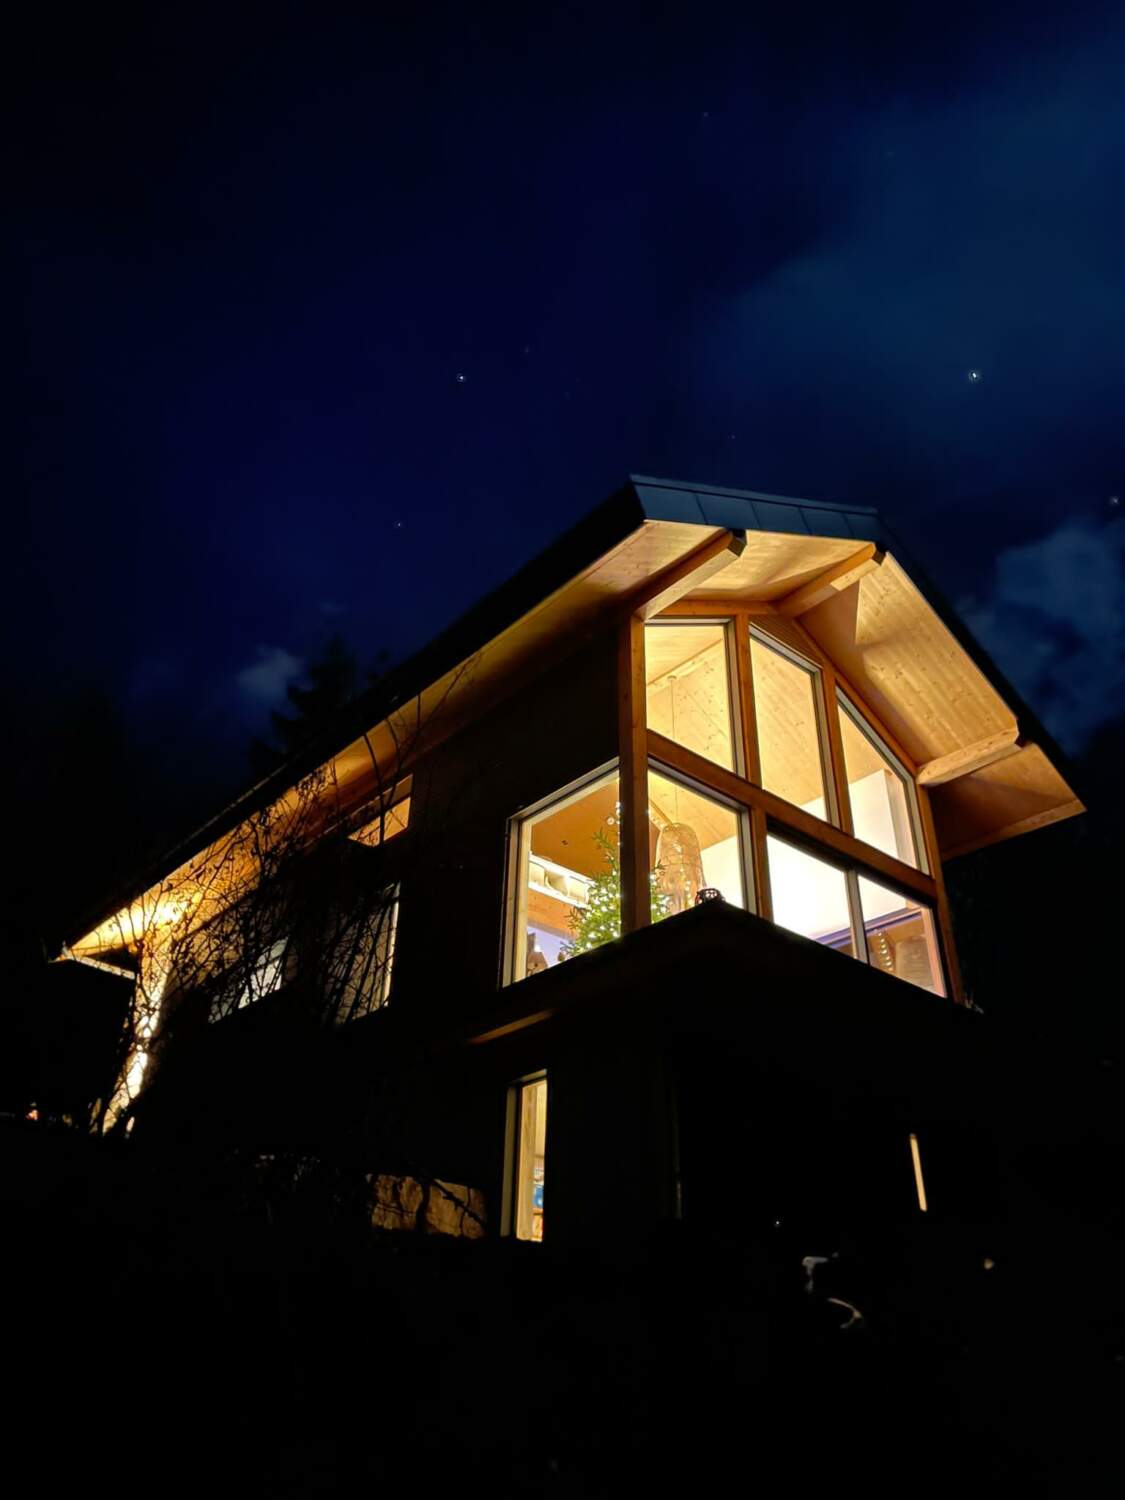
point(767, 812)
point(519, 848)
point(510, 1184)
point(737, 809)
point(734, 698)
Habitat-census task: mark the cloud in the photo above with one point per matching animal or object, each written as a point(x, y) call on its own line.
point(264, 682)
point(1054, 620)
point(980, 231)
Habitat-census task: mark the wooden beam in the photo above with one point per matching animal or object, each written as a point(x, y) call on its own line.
point(994, 747)
point(747, 710)
point(717, 607)
point(632, 725)
point(759, 858)
point(1024, 825)
point(689, 573)
point(835, 747)
point(944, 915)
point(833, 580)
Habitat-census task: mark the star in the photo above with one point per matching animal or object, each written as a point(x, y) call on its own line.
point(460, 378)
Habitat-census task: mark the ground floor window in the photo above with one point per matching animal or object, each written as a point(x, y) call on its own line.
point(529, 1158)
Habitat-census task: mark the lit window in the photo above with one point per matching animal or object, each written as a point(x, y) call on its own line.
point(242, 987)
point(385, 823)
point(881, 795)
point(789, 739)
point(530, 1158)
point(359, 973)
point(689, 694)
point(695, 845)
point(901, 937)
point(567, 884)
point(809, 896)
point(919, 1180)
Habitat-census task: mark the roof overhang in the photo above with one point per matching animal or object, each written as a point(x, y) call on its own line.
point(992, 769)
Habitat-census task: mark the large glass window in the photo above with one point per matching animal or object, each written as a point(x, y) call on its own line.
point(695, 846)
point(881, 796)
point(810, 896)
point(359, 968)
point(247, 983)
point(689, 687)
point(901, 937)
point(567, 892)
point(789, 739)
point(530, 1158)
point(384, 823)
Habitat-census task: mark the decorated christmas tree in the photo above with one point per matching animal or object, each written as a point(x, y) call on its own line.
point(599, 921)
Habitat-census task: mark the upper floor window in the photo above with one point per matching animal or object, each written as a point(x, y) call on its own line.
point(787, 709)
point(810, 895)
point(689, 692)
point(249, 982)
point(565, 882)
point(843, 909)
point(900, 935)
point(880, 793)
point(766, 785)
point(361, 959)
point(696, 844)
point(383, 820)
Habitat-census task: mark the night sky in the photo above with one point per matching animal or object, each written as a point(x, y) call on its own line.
point(331, 320)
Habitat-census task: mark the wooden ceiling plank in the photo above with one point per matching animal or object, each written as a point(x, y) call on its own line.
point(1043, 819)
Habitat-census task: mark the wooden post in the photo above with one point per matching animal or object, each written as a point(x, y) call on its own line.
point(835, 748)
point(752, 762)
point(945, 919)
point(632, 721)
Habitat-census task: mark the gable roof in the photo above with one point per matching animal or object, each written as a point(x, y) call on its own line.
point(639, 533)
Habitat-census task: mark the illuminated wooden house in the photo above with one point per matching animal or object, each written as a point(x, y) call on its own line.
point(660, 828)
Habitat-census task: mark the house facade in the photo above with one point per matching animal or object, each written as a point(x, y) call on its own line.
point(621, 903)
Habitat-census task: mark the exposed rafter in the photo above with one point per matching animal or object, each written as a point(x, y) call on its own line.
point(972, 758)
point(690, 573)
point(718, 606)
point(832, 581)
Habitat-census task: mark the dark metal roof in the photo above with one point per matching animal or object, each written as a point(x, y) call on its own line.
point(751, 510)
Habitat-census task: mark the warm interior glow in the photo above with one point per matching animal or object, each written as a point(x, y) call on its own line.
point(568, 885)
point(689, 698)
point(879, 796)
point(901, 936)
point(785, 708)
point(694, 845)
point(810, 896)
point(919, 1183)
point(531, 1153)
point(384, 825)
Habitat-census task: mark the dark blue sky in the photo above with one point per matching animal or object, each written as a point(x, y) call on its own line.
point(330, 321)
